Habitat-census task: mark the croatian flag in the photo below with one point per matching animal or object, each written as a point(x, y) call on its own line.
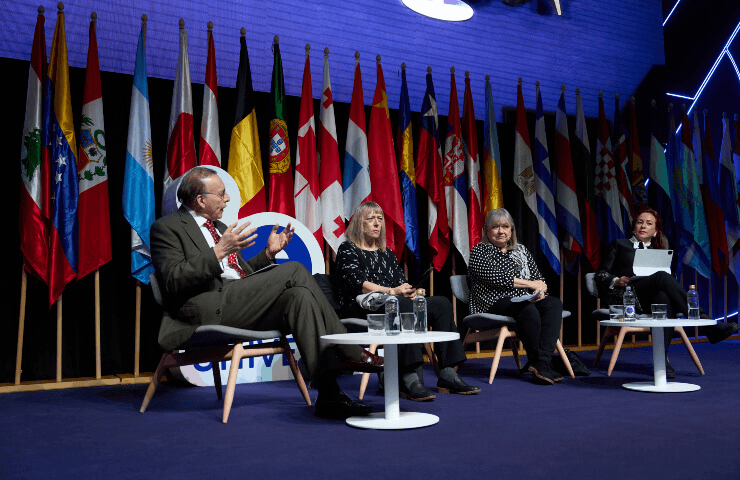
point(138, 180)
point(356, 175)
point(454, 177)
point(608, 208)
point(209, 151)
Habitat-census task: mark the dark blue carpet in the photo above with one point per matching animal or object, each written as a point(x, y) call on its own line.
point(584, 428)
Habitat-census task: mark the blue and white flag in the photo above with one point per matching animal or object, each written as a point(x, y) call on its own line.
point(138, 182)
point(728, 195)
point(356, 174)
point(546, 214)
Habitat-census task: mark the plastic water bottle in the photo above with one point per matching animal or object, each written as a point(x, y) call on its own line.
point(420, 312)
point(629, 304)
point(692, 298)
point(392, 317)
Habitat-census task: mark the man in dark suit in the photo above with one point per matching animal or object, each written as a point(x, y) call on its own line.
point(205, 280)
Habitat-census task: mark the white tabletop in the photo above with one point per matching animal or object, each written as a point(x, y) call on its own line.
point(365, 338)
point(649, 322)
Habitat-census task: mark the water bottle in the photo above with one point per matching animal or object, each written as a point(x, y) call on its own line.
point(692, 298)
point(629, 304)
point(392, 317)
point(420, 312)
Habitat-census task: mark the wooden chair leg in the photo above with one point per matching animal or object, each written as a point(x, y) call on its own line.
point(366, 376)
point(231, 384)
point(297, 376)
point(432, 357)
point(690, 348)
point(153, 384)
point(566, 361)
point(514, 344)
point(617, 345)
point(503, 334)
point(217, 379)
point(607, 333)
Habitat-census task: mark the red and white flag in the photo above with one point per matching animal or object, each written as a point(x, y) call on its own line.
point(95, 247)
point(209, 151)
point(330, 179)
point(306, 184)
point(180, 141)
point(33, 224)
point(454, 177)
point(472, 167)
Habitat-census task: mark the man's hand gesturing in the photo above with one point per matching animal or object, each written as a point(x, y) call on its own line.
point(234, 239)
point(278, 241)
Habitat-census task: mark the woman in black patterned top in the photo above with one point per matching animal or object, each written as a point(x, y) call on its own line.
point(366, 265)
point(501, 269)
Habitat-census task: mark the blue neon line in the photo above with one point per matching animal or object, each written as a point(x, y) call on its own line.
point(679, 96)
point(669, 15)
point(737, 71)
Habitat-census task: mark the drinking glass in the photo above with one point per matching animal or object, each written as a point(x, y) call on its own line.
point(660, 311)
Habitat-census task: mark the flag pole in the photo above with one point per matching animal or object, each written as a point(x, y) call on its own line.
point(562, 282)
point(97, 323)
point(21, 325)
point(59, 339)
point(580, 307)
point(137, 329)
point(454, 300)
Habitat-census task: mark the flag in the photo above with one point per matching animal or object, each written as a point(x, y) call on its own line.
point(605, 184)
point(454, 177)
point(356, 175)
point(306, 187)
point(429, 177)
point(34, 192)
point(493, 196)
point(138, 179)
point(728, 197)
point(621, 161)
point(281, 177)
point(383, 179)
point(584, 176)
point(715, 218)
point(472, 167)
point(407, 172)
point(245, 158)
point(95, 248)
point(659, 186)
point(637, 180)
point(180, 140)
point(209, 150)
point(568, 213)
point(330, 180)
point(546, 215)
point(523, 169)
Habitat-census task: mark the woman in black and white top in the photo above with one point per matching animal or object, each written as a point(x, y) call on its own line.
point(500, 270)
point(365, 265)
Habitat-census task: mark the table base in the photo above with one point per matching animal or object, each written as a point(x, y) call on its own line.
point(668, 387)
point(405, 420)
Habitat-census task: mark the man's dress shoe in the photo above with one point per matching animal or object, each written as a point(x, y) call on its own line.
point(669, 371)
point(339, 405)
point(368, 362)
point(456, 386)
point(717, 333)
point(416, 392)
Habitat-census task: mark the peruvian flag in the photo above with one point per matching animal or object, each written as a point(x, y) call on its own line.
point(383, 178)
point(180, 142)
point(210, 142)
point(330, 179)
point(429, 177)
point(33, 224)
point(454, 177)
point(472, 167)
point(92, 165)
point(306, 186)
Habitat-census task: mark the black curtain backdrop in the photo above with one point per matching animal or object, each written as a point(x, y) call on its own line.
point(117, 284)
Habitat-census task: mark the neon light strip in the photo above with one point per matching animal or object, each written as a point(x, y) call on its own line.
point(737, 71)
point(669, 15)
point(679, 96)
point(728, 316)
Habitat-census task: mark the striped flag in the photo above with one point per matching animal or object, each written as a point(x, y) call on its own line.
point(330, 180)
point(429, 177)
point(356, 175)
point(584, 176)
point(180, 140)
point(382, 157)
point(493, 196)
point(95, 246)
point(605, 184)
point(659, 187)
point(715, 218)
point(280, 198)
point(138, 180)
point(245, 158)
point(635, 159)
point(472, 167)
point(568, 212)
point(621, 161)
point(63, 244)
point(209, 150)
point(523, 169)
point(34, 192)
point(547, 216)
point(454, 177)
point(306, 186)
point(728, 196)
point(407, 172)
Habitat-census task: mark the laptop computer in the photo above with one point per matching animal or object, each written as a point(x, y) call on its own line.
point(648, 261)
